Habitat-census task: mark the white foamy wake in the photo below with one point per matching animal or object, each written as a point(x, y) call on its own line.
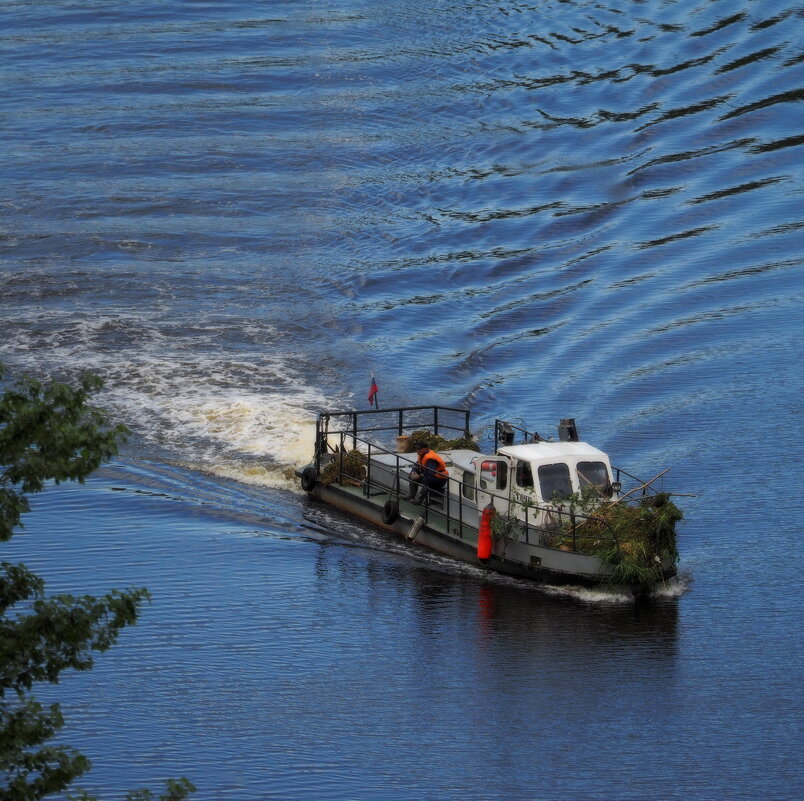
point(221, 426)
point(592, 595)
point(248, 414)
point(673, 588)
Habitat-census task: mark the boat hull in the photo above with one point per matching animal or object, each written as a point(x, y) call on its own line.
point(522, 560)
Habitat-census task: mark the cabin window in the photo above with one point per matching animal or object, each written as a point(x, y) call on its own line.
point(554, 481)
point(493, 474)
point(468, 488)
point(593, 474)
point(524, 475)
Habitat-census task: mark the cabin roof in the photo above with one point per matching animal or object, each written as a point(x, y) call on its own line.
point(548, 451)
point(460, 458)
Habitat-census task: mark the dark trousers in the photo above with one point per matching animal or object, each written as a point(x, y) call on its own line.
point(428, 482)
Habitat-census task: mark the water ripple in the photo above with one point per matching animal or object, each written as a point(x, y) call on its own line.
point(234, 213)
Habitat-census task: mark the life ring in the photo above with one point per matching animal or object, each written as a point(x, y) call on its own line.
point(308, 478)
point(390, 511)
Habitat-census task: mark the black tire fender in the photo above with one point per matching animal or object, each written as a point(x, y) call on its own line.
point(390, 511)
point(308, 478)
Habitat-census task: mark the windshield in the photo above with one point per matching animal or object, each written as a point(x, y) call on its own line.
point(554, 481)
point(593, 474)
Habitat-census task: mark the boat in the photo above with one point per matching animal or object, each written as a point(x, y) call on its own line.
point(552, 510)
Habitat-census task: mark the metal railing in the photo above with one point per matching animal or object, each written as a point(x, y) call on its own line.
point(644, 487)
point(505, 434)
point(564, 522)
point(399, 419)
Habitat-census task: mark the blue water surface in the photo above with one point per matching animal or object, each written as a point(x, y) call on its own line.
point(235, 212)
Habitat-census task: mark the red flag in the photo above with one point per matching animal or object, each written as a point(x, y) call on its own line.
point(372, 396)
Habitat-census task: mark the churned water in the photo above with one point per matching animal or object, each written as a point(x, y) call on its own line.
point(235, 211)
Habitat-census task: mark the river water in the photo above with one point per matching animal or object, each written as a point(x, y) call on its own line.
point(235, 211)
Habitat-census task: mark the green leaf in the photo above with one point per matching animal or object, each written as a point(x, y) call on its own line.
point(50, 433)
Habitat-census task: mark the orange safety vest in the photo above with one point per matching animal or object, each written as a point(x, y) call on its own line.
point(441, 471)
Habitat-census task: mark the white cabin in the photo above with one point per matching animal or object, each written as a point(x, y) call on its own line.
point(535, 473)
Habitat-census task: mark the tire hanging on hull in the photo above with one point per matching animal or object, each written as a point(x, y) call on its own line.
point(308, 478)
point(390, 511)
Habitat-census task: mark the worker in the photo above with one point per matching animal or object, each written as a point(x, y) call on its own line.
point(429, 474)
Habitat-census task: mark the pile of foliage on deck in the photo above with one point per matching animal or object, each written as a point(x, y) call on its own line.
point(438, 443)
point(635, 537)
point(350, 467)
point(347, 468)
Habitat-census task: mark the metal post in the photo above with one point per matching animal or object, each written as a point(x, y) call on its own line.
point(527, 525)
point(318, 445)
point(460, 509)
point(367, 486)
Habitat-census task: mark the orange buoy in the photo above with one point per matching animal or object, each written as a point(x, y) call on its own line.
point(484, 533)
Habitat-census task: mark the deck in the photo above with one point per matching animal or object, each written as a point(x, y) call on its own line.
point(434, 515)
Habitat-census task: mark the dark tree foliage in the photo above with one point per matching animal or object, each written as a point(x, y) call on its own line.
point(50, 433)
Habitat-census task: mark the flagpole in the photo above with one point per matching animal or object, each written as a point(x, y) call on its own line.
point(374, 391)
